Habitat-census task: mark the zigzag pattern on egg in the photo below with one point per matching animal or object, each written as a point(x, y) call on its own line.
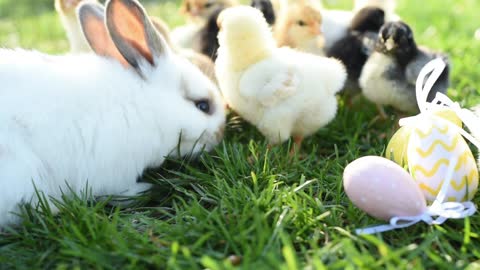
point(450, 148)
point(465, 183)
point(432, 171)
point(423, 135)
point(431, 149)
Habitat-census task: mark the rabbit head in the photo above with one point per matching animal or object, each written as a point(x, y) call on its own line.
point(192, 110)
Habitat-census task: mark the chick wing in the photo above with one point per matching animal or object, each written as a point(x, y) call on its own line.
point(269, 87)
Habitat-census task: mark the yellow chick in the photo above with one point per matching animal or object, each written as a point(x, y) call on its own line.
point(299, 26)
point(282, 91)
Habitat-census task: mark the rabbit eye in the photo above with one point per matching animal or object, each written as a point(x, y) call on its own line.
point(203, 105)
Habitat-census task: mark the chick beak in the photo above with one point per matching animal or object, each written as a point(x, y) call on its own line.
point(315, 29)
point(220, 20)
point(390, 44)
point(320, 41)
point(195, 11)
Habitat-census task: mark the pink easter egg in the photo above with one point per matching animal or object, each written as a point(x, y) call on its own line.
point(382, 188)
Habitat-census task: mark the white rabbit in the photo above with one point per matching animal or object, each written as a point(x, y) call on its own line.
point(100, 119)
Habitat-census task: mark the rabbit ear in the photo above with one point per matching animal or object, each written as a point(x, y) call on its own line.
point(91, 17)
point(134, 34)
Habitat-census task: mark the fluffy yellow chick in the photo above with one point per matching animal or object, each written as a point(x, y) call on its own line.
point(66, 10)
point(282, 91)
point(299, 26)
point(276, 5)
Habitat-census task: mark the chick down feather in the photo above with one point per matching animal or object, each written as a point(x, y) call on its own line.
point(281, 91)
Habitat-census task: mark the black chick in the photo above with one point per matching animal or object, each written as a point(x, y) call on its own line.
point(205, 41)
point(266, 7)
point(353, 49)
point(390, 73)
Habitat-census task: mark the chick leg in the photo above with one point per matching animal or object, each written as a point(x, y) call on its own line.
point(352, 100)
point(381, 112)
point(297, 144)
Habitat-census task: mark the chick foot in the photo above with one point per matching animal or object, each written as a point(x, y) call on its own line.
point(297, 144)
point(382, 116)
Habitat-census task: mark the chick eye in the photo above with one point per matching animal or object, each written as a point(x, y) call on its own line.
point(301, 23)
point(203, 105)
point(207, 5)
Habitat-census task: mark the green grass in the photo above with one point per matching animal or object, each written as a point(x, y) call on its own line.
point(243, 200)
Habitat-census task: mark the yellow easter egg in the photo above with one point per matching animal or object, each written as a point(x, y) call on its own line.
point(432, 147)
point(449, 115)
point(397, 147)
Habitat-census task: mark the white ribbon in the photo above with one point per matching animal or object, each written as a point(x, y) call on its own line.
point(396, 223)
point(439, 211)
point(445, 210)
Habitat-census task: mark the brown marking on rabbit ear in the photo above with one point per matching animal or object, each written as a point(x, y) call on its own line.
point(91, 16)
point(133, 33)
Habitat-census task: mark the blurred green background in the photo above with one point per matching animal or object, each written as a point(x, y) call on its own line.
point(34, 23)
point(447, 25)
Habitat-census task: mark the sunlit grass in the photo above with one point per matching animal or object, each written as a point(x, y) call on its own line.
point(243, 203)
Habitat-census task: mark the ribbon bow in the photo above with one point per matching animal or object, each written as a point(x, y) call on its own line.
point(439, 211)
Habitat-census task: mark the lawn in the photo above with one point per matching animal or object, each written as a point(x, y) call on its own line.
point(243, 205)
